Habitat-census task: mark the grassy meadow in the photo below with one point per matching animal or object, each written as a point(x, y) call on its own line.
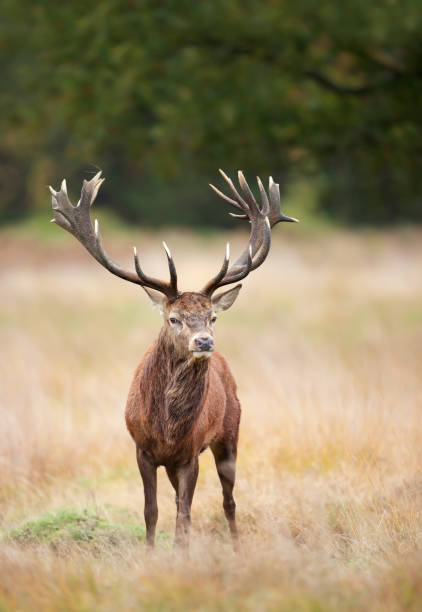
point(325, 342)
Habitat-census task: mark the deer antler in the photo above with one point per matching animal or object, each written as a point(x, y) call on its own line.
point(77, 221)
point(261, 220)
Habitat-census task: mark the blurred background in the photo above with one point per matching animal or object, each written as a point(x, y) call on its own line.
point(324, 96)
point(325, 339)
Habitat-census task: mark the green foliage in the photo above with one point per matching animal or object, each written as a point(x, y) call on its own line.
point(161, 94)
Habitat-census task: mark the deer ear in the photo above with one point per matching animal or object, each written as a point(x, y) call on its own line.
point(156, 298)
point(223, 301)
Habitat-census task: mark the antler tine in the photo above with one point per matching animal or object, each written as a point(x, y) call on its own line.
point(235, 276)
point(169, 289)
point(77, 221)
point(172, 269)
point(265, 203)
point(241, 202)
point(212, 285)
point(250, 198)
point(275, 215)
point(224, 197)
point(260, 236)
point(89, 190)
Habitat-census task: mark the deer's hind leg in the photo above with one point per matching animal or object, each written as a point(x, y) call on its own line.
point(225, 461)
point(149, 478)
point(172, 476)
point(183, 479)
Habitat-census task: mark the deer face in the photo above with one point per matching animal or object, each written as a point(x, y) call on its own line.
point(189, 320)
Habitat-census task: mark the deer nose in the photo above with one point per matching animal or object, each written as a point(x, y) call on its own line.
point(204, 344)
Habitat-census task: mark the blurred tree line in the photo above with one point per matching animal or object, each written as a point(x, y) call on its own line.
point(161, 94)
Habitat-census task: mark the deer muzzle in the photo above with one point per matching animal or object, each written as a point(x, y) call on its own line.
point(202, 346)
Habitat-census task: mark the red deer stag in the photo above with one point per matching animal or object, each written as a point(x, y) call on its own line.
point(183, 395)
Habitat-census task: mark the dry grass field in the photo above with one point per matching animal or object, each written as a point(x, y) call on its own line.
point(325, 342)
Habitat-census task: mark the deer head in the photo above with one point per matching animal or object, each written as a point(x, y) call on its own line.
point(189, 317)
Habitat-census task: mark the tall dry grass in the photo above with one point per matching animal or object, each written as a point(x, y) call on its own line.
point(325, 342)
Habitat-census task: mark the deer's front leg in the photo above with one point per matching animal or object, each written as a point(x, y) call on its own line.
point(149, 479)
point(187, 476)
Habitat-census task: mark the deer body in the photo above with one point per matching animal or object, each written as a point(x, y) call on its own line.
point(183, 395)
point(179, 405)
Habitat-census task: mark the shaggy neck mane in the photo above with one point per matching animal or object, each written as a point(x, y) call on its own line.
point(180, 384)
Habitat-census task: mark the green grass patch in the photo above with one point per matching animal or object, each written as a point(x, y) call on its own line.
point(83, 527)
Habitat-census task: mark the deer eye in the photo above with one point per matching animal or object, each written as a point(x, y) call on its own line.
point(213, 319)
point(174, 321)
